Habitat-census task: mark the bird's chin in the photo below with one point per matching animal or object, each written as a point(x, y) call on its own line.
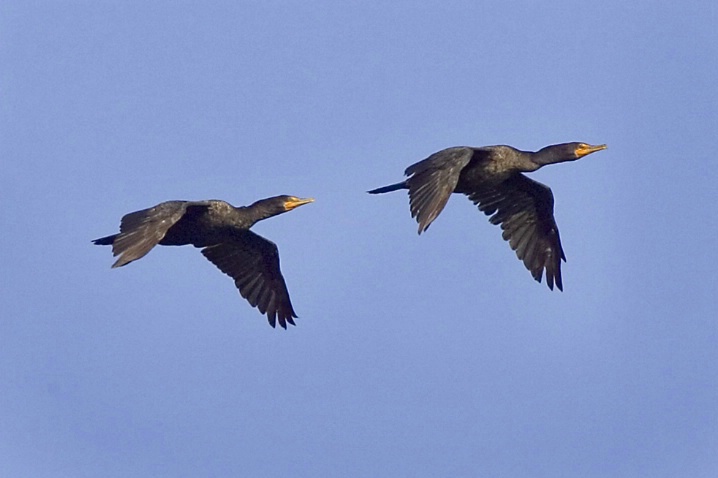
point(295, 203)
point(586, 149)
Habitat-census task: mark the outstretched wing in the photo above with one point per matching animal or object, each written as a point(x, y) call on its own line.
point(253, 262)
point(140, 231)
point(432, 181)
point(524, 209)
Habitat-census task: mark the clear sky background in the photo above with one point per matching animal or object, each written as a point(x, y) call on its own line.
point(433, 355)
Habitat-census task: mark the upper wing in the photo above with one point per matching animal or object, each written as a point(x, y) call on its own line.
point(253, 262)
point(140, 231)
point(432, 181)
point(524, 209)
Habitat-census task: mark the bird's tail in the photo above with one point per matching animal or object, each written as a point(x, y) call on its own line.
point(390, 188)
point(105, 241)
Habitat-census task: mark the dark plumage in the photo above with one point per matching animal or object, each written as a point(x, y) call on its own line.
point(491, 177)
point(222, 230)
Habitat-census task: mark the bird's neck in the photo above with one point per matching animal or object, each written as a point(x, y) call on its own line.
point(547, 155)
point(524, 161)
point(258, 211)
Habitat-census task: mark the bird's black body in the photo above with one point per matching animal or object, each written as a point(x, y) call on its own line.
point(222, 230)
point(491, 178)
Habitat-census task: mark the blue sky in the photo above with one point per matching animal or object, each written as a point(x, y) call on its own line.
point(413, 356)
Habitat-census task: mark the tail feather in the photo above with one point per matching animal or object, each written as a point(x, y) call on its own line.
point(390, 188)
point(105, 241)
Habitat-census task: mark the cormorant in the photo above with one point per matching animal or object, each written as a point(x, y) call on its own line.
point(491, 177)
point(222, 230)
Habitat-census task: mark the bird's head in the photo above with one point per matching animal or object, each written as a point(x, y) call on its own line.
point(582, 149)
point(280, 204)
point(559, 153)
point(291, 202)
point(273, 206)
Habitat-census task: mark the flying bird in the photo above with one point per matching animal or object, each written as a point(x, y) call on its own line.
point(222, 230)
point(491, 177)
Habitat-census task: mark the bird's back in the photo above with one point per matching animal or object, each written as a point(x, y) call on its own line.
point(203, 223)
point(488, 166)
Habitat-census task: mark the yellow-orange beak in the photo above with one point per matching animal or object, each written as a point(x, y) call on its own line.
point(584, 149)
point(296, 202)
